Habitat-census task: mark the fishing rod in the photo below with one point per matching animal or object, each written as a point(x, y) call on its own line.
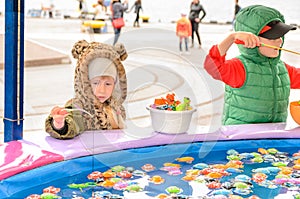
point(237, 41)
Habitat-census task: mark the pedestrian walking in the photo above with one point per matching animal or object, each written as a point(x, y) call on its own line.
point(195, 10)
point(137, 6)
point(117, 10)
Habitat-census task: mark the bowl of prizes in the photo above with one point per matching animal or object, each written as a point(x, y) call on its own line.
point(171, 116)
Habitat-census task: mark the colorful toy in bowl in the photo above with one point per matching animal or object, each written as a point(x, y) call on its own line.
point(171, 116)
point(295, 111)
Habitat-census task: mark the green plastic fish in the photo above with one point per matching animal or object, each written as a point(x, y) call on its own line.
point(82, 185)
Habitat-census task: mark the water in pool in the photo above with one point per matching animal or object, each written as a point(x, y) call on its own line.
point(220, 173)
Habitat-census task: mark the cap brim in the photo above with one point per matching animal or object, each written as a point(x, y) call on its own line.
point(278, 30)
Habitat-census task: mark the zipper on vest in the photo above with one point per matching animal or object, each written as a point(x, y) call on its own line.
point(274, 93)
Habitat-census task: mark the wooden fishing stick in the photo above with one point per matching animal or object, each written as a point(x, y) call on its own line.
point(237, 41)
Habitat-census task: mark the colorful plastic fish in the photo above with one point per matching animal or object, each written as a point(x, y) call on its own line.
point(107, 183)
point(186, 159)
point(213, 185)
point(148, 167)
point(109, 174)
point(121, 185)
point(188, 178)
point(51, 189)
point(139, 173)
point(49, 196)
point(124, 174)
point(234, 170)
point(241, 185)
point(134, 188)
point(259, 177)
point(242, 178)
point(224, 192)
point(156, 179)
point(81, 185)
point(118, 168)
point(33, 196)
point(175, 172)
point(95, 175)
point(200, 166)
point(272, 151)
point(162, 196)
point(169, 164)
point(173, 190)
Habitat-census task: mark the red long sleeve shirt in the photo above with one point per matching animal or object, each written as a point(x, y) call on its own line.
point(232, 71)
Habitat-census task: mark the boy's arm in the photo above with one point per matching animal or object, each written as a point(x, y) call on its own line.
point(231, 72)
point(250, 41)
point(294, 74)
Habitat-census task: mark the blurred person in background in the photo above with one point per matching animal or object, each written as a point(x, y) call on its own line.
point(117, 10)
point(195, 9)
point(137, 6)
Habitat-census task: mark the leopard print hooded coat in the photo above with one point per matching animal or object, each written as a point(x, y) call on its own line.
point(90, 113)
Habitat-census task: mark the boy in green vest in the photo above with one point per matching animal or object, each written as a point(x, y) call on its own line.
point(257, 82)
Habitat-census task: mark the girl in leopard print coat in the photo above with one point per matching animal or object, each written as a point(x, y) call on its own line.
point(100, 86)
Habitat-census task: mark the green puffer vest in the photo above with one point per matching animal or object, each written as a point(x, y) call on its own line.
point(264, 96)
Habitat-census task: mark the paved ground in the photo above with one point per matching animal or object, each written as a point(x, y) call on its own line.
point(154, 67)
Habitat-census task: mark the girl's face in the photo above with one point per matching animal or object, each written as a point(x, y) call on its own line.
point(103, 86)
point(270, 52)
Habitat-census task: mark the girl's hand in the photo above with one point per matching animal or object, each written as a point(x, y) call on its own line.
point(59, 114)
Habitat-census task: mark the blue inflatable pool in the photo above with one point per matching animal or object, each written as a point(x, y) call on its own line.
point(179, 170)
